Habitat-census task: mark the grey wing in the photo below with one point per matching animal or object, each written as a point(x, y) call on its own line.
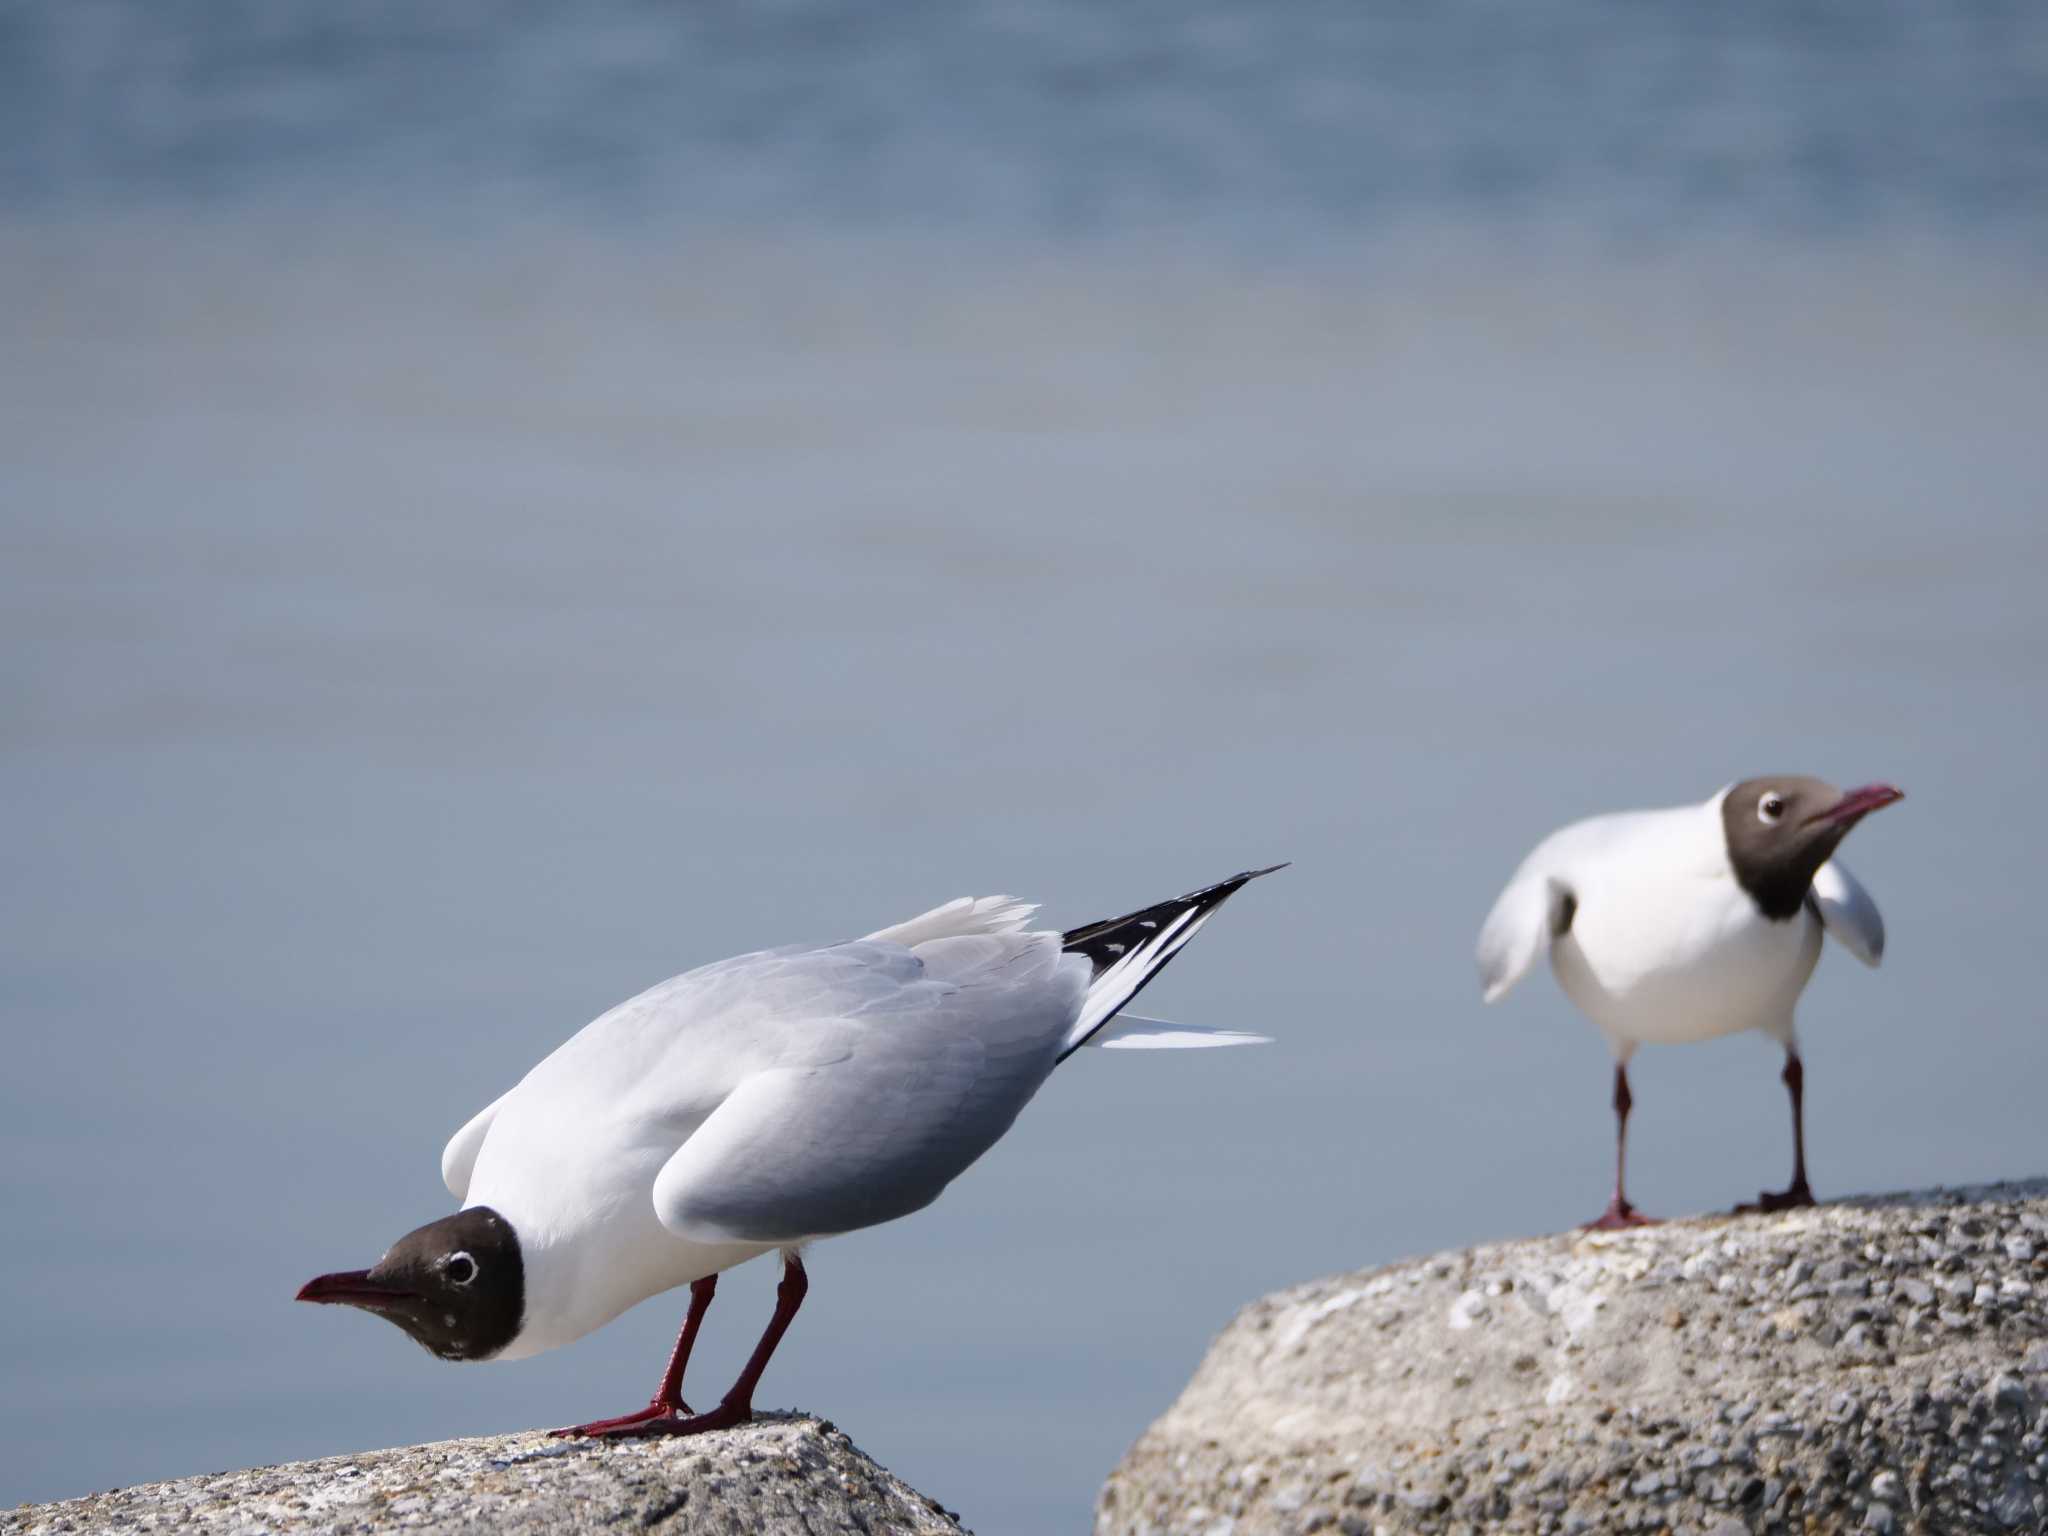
point(1847, 911)
point(1540, 901)
point(1534, 909)
point(927, 1077)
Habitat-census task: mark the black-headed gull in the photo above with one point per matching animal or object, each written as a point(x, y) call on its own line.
point(757, 1104)
point(1688, 923)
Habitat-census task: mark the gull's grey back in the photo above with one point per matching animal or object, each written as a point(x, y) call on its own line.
point(919, 1069)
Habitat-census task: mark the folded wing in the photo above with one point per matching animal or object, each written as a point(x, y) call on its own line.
point(458, 1158)
point(928, 1078)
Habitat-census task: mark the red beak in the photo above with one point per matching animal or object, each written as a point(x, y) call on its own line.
point(355, 1288)
point(1858, 803)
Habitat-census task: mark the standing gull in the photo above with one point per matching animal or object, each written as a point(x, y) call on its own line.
point(757, 1104)
point(1689, 923)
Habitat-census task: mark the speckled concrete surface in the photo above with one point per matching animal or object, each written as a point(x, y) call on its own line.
point(1871, 1365)
point(779, 1474)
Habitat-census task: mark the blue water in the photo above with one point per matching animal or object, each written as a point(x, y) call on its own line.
point(498, 508)
point(1278, 127)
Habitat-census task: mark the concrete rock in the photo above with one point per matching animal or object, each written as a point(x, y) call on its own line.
point(1872, 1364)
point(778, 1474)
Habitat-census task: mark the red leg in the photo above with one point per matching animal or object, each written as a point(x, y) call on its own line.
point(1799, 1192)
point(738, 1405)
point(1619, 1212)
point(668, 1397)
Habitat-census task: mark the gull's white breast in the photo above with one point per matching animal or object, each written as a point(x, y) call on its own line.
point(1666, 947)
point(573, 1152)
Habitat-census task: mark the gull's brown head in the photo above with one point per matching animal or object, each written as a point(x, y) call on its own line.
point(457, 1285)
point(1781, 830)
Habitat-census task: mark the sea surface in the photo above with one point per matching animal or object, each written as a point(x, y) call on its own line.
point(501, 504)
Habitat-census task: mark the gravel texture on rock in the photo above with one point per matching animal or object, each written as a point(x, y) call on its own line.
point(778, 1474)
point(1871, 1365)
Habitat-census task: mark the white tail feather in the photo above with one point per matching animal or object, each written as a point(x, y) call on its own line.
point(1130, 1032)
point(962, 917)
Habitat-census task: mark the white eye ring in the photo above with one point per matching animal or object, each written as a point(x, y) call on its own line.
point(1770, 807)
point(451, 1261)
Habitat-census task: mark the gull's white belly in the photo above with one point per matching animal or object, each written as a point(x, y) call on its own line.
point(1688, 961)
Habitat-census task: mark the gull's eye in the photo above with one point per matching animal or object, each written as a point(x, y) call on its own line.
point(460, 1268)
point(1771, 807)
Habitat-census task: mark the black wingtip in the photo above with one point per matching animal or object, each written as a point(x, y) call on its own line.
point(1128, 951)
point(1207, 898)
point(1226, 887)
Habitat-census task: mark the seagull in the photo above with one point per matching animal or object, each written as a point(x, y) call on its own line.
point(1690, 923)
point(754, 1105)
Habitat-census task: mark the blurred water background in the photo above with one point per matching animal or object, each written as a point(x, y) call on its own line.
point(499, 504)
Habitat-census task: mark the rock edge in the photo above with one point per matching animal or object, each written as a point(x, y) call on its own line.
point(778, 1474)
point(1876, 1364)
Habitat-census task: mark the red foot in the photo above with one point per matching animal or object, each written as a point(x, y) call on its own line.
point(1781, 1200)
point(655, 1410)
point(1619, 1214)
point(724, 1416)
